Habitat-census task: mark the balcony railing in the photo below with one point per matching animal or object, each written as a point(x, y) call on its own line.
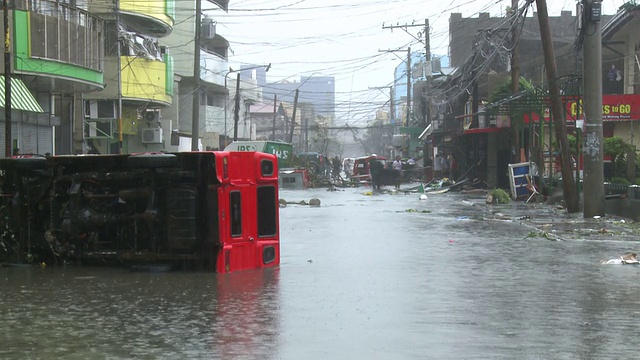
point(147, 79)
point(64, 33)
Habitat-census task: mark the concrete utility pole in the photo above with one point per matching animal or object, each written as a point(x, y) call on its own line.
point(428, 57)
point(7, 81)
point(568, 183)
point(592, 78)
point(119, 80)
point(236, 109)
point(408, 119)
point(293, 119)
point(428, 70)
point(275, 114)
point(195, 118)
point(515, 78)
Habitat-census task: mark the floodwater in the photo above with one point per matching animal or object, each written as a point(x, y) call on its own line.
point(361, 277)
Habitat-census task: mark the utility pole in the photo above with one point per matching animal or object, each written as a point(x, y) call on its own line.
point(306, 134)
point(293, 120)
point(405, 28)
point(195, 116)
point(515, 79)
point(236, 109)
point(392, 106)
point(592, 78)
point(7, 81)
point(570, 194)
point(275, 114)
point(119, 79)
point(428, 70)
point(407, 122)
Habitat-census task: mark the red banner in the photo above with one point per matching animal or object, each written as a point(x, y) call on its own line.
point(614, 107)
point(624, 107)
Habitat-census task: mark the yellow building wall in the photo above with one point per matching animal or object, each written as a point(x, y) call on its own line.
point(144, 79)
point(154, 8)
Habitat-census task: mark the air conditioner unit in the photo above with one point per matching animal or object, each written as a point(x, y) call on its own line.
point(151, 116)
point(152, 136)
point(208, 29)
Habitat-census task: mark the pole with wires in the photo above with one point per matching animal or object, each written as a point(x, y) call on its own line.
point(195, 116)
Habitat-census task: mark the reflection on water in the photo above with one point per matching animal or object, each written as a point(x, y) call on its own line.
point(360, 278)
point(86, 313)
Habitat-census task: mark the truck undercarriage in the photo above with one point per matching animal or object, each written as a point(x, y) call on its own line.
point(129, 209)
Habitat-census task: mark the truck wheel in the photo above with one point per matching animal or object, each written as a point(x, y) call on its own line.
point(23, 163)
point(152, 161)
point(312, 168)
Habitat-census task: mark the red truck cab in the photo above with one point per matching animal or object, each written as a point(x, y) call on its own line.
point(211, 210)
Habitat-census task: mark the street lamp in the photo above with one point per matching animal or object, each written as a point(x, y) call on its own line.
point(226, 92)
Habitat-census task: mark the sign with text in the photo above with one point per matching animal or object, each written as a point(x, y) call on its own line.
point(614, 107)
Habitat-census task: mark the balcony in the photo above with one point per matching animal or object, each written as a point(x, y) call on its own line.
point(145, 79)
point(150, 17)
point(213, 67)
point(59, 42)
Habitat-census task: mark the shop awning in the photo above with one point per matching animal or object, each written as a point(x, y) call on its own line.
point(21, 97)
point(482, 130)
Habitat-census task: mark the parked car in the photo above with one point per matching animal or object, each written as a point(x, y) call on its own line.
point(312, 161)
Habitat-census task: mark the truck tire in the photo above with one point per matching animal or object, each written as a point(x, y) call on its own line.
point(23, 163)
point(152, 161)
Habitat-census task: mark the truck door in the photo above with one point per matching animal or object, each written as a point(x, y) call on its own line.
point(239, 249)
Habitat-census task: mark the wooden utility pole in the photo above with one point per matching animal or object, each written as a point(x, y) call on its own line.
point(428, 71)
point(275, 114)
point(515, 79)
point(7, 81)
point(568, 183)
point(592, 78)
point(407, 122)
point(195, 116)
point(236, 109)
point(293, 119)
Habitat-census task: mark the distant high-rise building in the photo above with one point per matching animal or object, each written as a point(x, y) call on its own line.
point(316, 90)
point(254, 72)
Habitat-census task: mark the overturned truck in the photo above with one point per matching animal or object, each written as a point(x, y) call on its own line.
point(197, 210)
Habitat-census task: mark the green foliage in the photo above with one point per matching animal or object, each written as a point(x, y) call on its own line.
point(573, 143)
point(529, 101)
point(500, 196)
point(615, 146)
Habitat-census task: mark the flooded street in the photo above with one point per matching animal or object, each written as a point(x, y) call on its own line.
point(361, 277)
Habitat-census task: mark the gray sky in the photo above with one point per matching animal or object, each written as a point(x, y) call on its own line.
point(342, 38)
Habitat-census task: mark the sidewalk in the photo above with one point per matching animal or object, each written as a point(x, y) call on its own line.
point(553, 222)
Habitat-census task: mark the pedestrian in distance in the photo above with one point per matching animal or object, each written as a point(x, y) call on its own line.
point(437, 167)
point(397, 167)
point(453, 167)
point(375, 169)
point(446, 167)
point(337, 165)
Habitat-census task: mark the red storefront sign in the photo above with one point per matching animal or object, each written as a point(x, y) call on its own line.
point(625, 107)
point(614, 107)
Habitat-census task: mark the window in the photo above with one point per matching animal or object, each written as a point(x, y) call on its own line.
point(267, 210)
point(235, 216)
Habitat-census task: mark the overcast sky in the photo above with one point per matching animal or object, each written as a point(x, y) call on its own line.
point(343, 38)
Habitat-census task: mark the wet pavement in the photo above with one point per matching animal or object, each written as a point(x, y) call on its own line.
point(361, 277)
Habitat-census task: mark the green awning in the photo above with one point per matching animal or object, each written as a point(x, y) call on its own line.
point(21, 97)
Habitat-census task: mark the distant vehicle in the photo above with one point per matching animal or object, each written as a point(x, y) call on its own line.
point(361, 167)
point(212, 210)
point(312, 161)
point(283, 150)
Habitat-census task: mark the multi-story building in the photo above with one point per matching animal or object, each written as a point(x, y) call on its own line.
point(138, 76)
point(316, 90)
point(57, 52)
